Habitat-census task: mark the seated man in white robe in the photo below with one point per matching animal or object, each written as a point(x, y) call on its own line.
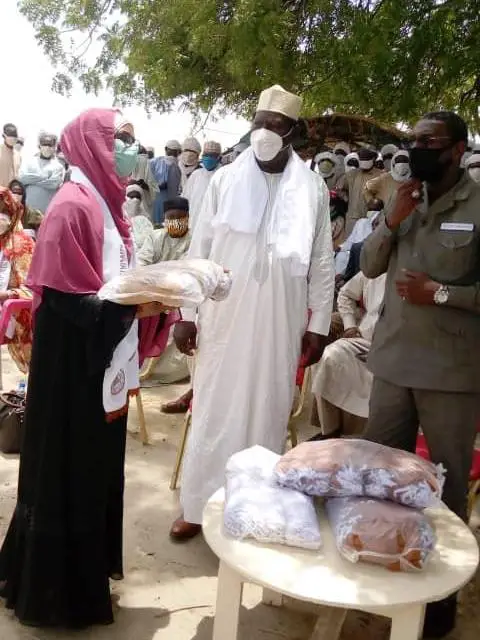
point(342, 382)
point(171, 242)
point(266, 219)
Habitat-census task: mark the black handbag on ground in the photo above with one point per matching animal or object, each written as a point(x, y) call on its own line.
point(12, 413)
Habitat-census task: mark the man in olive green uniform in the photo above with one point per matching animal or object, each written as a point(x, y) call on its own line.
point(425, 350)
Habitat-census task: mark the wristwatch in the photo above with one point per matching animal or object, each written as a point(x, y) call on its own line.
point(441, 295)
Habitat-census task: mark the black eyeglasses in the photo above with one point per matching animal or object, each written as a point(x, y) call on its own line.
point(125, 137)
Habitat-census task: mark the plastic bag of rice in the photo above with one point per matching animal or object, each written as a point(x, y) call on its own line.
point(175, 283)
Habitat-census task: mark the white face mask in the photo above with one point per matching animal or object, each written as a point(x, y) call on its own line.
point(5, 222)
point(19, 147)
point(474, 174)
point(266, 144)
point(366, 165)
point(402, 168)
point(132, 207)
point(46, 151)
point(326, 168)
point(17, 197)
point(10, 141)
point(189, 158)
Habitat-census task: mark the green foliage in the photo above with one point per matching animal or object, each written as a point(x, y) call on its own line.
point(389, 59)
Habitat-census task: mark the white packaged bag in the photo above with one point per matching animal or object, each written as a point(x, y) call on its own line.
point(256, 507)
point(174, 283)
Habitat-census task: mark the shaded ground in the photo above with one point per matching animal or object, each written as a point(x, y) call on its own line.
point(169, 590)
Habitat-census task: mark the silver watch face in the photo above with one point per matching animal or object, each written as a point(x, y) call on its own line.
point(441, 295)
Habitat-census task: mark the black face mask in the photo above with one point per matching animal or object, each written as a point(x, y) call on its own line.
point(426, 164)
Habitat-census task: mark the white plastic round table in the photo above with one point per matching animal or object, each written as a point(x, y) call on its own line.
point(324, 577)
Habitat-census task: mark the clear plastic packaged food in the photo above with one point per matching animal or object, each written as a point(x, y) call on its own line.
point(354, 467)
point(381, 532)
point(175, 283)
point(256, 507)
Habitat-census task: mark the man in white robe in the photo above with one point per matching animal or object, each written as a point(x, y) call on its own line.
point(197, 185)
point(265, 218)
point(342, 382)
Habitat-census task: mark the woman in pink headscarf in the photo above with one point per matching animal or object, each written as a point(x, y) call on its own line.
point(65, 539)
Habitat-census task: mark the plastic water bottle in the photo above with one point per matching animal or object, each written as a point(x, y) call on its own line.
point(22, 388)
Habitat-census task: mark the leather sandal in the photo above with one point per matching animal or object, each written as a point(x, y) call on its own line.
point(181, 405)
point(182, 531)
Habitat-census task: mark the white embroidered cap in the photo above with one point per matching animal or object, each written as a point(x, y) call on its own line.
point(342, 146)
point(212, 147)
point(280, 101)
point(174, 145)
point(473, 159)
point(389, 150)
point(191, 144)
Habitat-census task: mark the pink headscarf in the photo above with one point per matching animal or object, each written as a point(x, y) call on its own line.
point(88, 143)
point(69, 251)
point(68, 254)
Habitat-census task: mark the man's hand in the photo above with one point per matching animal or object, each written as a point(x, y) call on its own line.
point(185, 336)
point(312, 348)
point(405, 203)
point(353, 332)
point(417, 288)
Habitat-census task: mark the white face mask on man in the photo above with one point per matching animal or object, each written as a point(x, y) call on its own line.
point(46, 151)
point(366, 165)
point(474, 174)
point(132, 207)
point(189, 158)
point(266, 144)
point(10, 141)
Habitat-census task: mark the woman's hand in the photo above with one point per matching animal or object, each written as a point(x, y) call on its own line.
point(150, 309)
point(7, 295)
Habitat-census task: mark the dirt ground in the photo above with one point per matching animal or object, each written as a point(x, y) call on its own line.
point(169, 589)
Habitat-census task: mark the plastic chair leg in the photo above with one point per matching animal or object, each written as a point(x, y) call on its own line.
point(181, 451)
point(141, 419)
point(293, 434)
point(149, 369)
point(473, 489)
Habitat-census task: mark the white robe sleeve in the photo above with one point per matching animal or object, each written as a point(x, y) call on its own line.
point(349, 297)
point(321, 276)
point(202, 238)
point(146, 254)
